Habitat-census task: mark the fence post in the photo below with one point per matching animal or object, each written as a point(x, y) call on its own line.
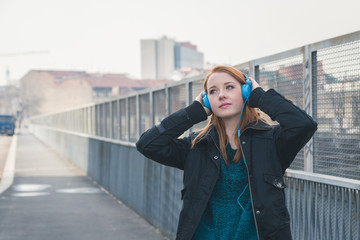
point(138, 117)
point(103, 119)
point(111, 122)
point(127, 119)
point(189, 98)
point(167, 100)
point(307, 89)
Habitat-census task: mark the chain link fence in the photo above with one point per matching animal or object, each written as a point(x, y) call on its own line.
point(286, 76)
point(337, 103)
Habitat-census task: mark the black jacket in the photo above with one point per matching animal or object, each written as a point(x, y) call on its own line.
point(267, 150)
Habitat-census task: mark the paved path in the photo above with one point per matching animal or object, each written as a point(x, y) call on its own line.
point(4, 148)
point(52, 199)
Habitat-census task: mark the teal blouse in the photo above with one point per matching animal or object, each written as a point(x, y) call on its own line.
point(228, 214)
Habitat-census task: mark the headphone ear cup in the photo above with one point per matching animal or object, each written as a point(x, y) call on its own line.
point(206, 101)
point(246, 90)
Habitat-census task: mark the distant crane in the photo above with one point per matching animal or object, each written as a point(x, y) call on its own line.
point(23, 53)
point(16, 54)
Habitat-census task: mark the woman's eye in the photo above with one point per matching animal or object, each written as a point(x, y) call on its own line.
point(229, 87)
point(212, 91)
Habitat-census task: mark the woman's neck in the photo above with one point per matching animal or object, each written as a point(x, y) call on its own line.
point(231, 127)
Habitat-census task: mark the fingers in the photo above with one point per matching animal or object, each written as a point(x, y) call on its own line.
point(199, 98)
point(254, 84)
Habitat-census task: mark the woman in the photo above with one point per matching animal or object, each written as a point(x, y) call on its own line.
point(233, 168)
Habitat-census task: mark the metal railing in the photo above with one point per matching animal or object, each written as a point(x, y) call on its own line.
point(322, 78)
point(325, 207)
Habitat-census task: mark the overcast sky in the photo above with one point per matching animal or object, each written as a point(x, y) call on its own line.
point(104, 35)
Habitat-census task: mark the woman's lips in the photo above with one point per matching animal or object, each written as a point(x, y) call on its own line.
point(224, 105)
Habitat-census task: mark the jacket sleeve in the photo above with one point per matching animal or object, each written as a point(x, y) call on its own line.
point(296, 126)
point(161, 143)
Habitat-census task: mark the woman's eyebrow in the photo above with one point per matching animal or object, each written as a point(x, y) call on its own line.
point(228, 83)
point(225, 83)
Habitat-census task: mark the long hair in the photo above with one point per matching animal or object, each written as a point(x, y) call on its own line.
point(249, 115)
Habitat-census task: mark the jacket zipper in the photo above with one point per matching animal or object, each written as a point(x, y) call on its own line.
point(215, 143)
point(252, 203)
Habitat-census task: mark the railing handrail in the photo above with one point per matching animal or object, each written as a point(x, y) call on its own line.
point(325, 179)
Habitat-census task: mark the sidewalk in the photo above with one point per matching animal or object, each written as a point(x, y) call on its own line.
point(4, 148)
point(52, 199)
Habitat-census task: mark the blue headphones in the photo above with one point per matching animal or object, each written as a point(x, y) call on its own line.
point(245, 91)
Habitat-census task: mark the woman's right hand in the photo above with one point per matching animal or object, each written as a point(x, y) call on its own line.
point(254, 84)
point(200, 100)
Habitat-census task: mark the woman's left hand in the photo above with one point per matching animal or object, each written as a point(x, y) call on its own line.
point(254, 84)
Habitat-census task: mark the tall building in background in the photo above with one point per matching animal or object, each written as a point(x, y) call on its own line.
point(166, 59)
point(187, 56)
point(149, 59)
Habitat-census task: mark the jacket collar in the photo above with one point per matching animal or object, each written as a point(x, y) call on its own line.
point(260, 125)
point(212, 137)
point(212, 134)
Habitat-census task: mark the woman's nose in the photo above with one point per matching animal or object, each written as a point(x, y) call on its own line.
point(222, 94)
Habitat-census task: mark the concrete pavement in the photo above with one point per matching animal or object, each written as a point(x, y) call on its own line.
point(52, 199)
point(4, 149)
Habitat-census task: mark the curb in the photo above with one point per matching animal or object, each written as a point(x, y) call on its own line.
point(9, 169)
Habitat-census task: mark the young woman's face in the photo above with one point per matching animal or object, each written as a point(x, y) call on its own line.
point(224, 93)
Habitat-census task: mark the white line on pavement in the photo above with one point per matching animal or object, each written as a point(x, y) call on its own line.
point(8, 174)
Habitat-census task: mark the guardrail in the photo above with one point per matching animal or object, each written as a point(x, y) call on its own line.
point(325, 207)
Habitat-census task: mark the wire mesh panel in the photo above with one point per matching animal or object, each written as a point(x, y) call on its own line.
point(107, 119)
point(97, 120)
point(337, 104)
point(177, 97)
point(83, 119)
point(74, 121)
point(322, 211)
point(87, 120)
point(286, 77)
point(145, 112)
point(92, 120)
point(196, 88)
point(71, 122)
point(132, 115)
point(115, 119)
point(102, 125)
point(61, 120)
point(78, 120)
point(243, 69)
point(177, 100)
point(159, 102)
point(123, 120)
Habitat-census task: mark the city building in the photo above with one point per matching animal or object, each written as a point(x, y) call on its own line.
point(187, 56)
point(44, 91)
point(165, 58)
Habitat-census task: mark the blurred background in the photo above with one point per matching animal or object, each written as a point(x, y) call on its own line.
point(88, 77)
point(107, 48)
